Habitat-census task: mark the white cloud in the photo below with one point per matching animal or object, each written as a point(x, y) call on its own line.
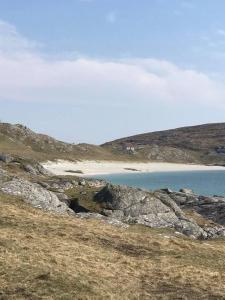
point(221, 32)
point(12, 42)
point(28, 76)
point(111, 17)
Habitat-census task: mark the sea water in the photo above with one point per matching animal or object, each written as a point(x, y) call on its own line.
point(201, 182)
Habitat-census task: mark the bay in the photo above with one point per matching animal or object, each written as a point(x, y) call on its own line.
point(201, 182)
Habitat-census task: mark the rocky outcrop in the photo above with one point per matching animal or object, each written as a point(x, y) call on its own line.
point(153, 209)
point(29, 166)
point(62, 184)
point(196, 216)
point(35, 195)
point(59, 184)
point(186, 191)
point(211, 208)
point(36, 169)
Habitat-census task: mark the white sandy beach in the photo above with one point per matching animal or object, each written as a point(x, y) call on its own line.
point(91, 168)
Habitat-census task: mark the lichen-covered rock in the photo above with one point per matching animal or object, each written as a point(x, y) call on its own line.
point(211, 208)
point(153, 209)
point(34, 194)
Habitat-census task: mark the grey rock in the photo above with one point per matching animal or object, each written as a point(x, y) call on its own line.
point(63, 198)
point(168, 191)
point(82, 182)
point(36, 169)
point(6, 158)
point(96, 183)
point(35, 195)
point(211, 208)
point(58, 184)
point(186, 191)
point(74, 183)
point(3, 173)
point(4, 176)
point(135, 206)
point(44, 184)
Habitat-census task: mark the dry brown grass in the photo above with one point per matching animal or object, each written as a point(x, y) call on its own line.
point(30, 150)
point(45, 256)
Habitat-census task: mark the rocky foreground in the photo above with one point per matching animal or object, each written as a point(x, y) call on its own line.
point(198, 217)
point(73, 238)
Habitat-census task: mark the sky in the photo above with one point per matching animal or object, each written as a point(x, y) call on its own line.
point(96, 70)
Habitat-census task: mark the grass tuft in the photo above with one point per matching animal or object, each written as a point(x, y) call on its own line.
point(46, 256)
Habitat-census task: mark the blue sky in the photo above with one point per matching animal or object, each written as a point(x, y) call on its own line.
point(95, 70)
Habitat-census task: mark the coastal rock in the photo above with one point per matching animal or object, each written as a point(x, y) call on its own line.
point(82, 182)
point(96, 183)
point(212, 208)
point(28, 165)
point(59, 184)
point(36, 169)
point(6, 158)
point(135, 206)
point(186, 191)
point(35, 195)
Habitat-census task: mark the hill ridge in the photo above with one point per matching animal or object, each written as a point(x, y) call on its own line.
point(19, 139)
point(192, 144)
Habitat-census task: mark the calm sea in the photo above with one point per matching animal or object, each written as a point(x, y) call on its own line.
point(201, 182)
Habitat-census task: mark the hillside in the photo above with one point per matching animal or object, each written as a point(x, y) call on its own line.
point(195, 144)
point(203, 144)
point(65, 237)
point(20, 140)
point(45, 256)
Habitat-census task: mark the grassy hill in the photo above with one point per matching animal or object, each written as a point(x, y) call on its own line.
point(195, 144)
point(49, 256)
point(203, 144)
point(46, 256)
point(20, 140)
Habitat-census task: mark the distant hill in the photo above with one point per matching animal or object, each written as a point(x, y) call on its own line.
point(195, 144)
point(20, 140)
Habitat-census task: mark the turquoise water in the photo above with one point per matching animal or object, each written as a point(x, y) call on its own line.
point(201, 182)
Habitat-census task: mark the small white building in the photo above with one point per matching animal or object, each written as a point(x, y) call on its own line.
point(129, 147)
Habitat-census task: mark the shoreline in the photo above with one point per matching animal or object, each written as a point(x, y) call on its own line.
point(95, 168)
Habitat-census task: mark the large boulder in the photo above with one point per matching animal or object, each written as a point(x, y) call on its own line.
point(35, 195)
point(153, 209)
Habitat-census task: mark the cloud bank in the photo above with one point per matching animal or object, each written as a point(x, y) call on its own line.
point(26, 75)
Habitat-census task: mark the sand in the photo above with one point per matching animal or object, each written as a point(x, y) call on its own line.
point(91, 168)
